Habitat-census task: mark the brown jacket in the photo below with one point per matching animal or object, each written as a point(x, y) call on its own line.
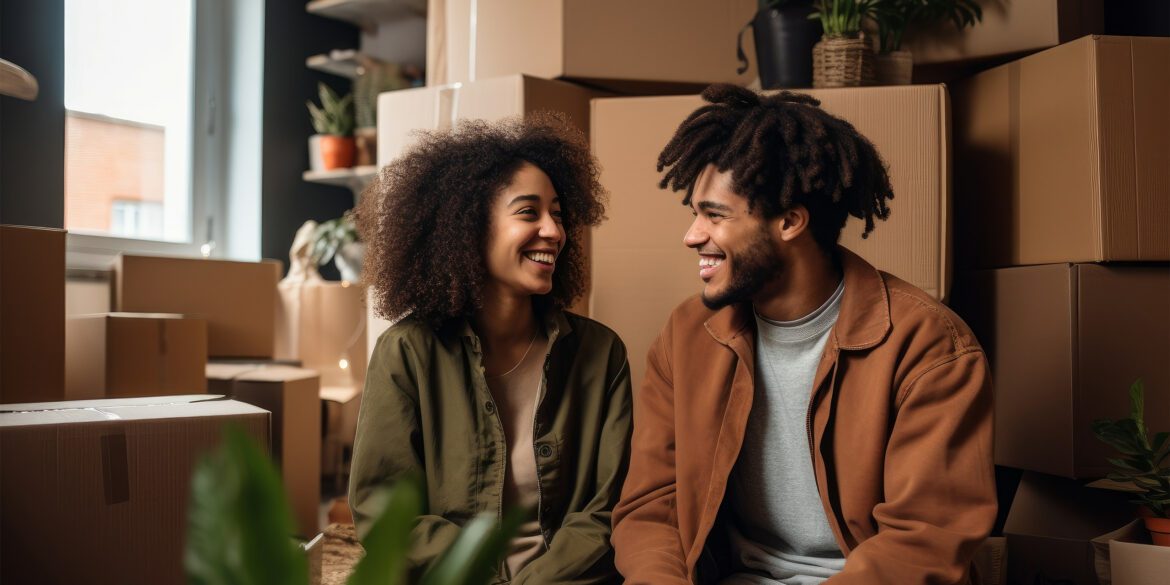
point(899, 427)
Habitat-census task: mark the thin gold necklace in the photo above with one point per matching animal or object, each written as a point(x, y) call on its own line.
point(530, 344)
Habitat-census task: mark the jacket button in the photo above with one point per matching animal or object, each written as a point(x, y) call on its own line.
point(489, 407)
point(544, 451)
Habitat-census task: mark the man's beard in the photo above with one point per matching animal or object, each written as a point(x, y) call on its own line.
point(752, 267)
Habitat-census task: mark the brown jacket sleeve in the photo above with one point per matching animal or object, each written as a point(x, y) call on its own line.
point(939, 482)
point(646, 542)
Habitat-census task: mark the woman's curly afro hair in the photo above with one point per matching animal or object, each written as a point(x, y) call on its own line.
point(425, 219)
point(782, 151)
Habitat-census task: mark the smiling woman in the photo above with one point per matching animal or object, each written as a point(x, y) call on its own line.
point(486, 386)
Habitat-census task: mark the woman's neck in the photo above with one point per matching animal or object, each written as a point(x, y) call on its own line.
point(505, 321)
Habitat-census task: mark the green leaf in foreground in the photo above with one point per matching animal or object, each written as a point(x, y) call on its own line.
point(239, 525)
point(473, 557)
point(388, 542)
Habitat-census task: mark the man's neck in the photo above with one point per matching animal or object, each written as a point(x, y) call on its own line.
point(808, 280)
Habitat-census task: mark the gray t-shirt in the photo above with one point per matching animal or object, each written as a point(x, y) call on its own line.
point(778, 529)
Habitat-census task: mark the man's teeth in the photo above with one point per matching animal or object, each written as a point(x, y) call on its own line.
point(710, 262)
point(542, 257)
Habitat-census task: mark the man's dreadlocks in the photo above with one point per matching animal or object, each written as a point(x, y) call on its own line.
point(783, 151)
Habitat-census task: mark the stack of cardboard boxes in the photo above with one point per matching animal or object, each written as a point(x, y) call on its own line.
point(1062, 166)
point(104, 415)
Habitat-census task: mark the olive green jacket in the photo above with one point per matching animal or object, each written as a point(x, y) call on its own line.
point(427, 410)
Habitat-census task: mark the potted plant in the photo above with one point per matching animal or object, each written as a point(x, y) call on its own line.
point(336, 239)
point(375, 77)
point(894, 65)
point(1144, 463)
point(239, 522)
point(332, 147)
point(784, 38)
point(843, 57)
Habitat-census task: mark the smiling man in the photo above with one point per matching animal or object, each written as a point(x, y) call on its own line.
point(807, 418)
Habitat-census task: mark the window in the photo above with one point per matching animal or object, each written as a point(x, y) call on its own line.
point(128, 101)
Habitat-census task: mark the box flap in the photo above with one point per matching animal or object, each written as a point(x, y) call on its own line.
point(1063, 509)
point(276, 374)
point(339, 394)
point(157, 407)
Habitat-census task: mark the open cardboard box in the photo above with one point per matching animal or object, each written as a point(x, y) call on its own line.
point(134, 354)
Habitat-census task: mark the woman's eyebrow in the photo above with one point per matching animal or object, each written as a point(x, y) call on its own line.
point(530, 197)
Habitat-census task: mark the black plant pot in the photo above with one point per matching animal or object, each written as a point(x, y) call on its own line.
point(784, 44)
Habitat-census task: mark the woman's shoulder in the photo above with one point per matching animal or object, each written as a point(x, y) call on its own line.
point(409, 332)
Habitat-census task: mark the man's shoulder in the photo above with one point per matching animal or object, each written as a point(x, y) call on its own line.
point(914, 312)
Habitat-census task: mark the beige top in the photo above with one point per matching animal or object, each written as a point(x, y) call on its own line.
point(515, 394)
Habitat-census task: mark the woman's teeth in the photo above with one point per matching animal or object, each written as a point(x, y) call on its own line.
point(542, 257)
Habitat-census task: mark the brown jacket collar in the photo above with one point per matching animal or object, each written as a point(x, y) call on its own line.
point(864, 320)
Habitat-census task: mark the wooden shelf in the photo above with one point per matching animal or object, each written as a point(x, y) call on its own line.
point(367, 13)
point(355, 178)
point(337, 62)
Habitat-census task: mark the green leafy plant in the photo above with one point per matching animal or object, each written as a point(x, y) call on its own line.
point(842, 17)
point(330, 236)
point(239, 524)
point(894, 17)
point(1143, 463)
point(335, 114)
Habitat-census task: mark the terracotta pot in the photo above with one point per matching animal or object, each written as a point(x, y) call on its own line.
point(336, 151)
point(894, 68)
point(1159, 529)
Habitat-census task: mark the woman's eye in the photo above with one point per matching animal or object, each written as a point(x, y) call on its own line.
point(526, 211)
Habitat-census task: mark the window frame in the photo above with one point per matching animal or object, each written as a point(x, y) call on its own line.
point(210, 70)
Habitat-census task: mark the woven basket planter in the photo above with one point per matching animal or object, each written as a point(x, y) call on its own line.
point(894, 68)
point(842, 62)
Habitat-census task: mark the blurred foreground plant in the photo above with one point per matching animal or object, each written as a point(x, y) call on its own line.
point(239, 524)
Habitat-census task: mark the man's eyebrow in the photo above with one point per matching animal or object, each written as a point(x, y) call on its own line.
point(711, 205)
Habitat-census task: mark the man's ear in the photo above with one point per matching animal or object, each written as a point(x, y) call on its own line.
point(792, 223)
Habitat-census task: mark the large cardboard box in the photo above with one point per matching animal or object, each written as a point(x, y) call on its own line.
point(292, 396)
point(1063, 156)
point(642, 270)
point(1065, 341)
point(238, 299)
point(32, 314)
point(97, 491)
point(134, 354)
point(401, 113)
point(1008, 28)
point(1051, 527)
point(632, 46)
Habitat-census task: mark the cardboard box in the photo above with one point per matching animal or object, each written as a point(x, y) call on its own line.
point(341, 404)
point(1051, 526)
point(134, 354)
point(1134, 561)
point(97, 491)
point(1065, 341)
point(403, 112)
point(1008, 28)
point(238, 299)
point(1061, 156)
point(323, 325)
point(642, 270)
point(292, 396)
point(629, 46)
point(32, 314)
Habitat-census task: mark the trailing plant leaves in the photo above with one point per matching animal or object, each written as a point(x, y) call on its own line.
point(239, 525)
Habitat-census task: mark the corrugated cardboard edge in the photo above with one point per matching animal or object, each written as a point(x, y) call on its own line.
point(946, 223)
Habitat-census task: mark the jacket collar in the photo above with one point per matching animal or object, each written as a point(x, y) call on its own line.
point(864, 319)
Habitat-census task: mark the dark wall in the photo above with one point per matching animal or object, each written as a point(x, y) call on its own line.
point(1139, 18)
point(32, 134)
point(290, 36)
